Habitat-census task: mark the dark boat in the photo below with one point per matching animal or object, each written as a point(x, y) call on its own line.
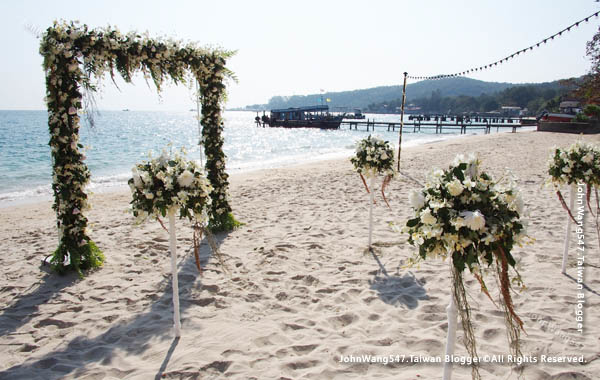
point(304, 117)
point(357, 115)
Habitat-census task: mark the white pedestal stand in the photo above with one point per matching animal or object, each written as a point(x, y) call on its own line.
point(173, 249)
point(451, 339)
point(568, 229)
point(371, 201)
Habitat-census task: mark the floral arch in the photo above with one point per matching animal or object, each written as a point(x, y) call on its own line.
point(73, 57)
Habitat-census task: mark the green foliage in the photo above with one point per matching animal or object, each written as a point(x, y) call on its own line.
point(582, 118)
point(82, 258)
point(533, 97)
point(589, 89)
point(386, 94)
point(223, 223)
point(592, 110)
point(213, 90)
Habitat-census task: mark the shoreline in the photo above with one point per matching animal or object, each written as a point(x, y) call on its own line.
point(104, 186)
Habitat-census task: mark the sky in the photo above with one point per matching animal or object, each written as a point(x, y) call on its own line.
point(302, 47)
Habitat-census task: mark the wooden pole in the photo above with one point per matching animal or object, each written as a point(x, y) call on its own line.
point(401, 120)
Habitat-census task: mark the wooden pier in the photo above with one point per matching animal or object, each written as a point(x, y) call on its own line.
point(439, 126)
point(417, 124)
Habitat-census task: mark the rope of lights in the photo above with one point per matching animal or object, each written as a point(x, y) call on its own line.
point(489, 66)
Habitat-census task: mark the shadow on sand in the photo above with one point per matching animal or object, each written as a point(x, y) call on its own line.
point(132, 336)
point(395, 289)
point(26, 307)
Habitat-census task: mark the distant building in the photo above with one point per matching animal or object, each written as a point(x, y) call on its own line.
point(510, 111)
point(571, 107)
point(410, 108)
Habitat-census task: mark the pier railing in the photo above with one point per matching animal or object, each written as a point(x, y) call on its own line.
point(440, 125)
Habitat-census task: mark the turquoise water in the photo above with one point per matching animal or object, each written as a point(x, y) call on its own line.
point(120, 139)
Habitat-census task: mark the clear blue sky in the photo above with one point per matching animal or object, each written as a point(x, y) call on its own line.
point(300, 47)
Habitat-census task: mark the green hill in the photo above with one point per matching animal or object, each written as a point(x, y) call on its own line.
point(448, 87)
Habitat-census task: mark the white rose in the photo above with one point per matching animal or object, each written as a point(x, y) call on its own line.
point(458, 222)
point(427, 218)
point(455, 188)
point(588, 158)
point(474, 220)
point(186, 178)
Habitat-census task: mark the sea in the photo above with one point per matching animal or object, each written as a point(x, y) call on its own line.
point(118, 140)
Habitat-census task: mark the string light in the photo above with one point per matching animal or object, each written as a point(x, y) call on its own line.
point(530, 48)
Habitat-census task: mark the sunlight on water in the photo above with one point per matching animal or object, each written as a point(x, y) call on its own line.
point(121, 139)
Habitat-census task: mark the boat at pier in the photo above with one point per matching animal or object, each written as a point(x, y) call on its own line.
point(357, 115)
point(303, 117)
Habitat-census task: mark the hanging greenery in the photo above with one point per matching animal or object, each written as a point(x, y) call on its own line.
point(212, 90)
point(75, 58)
point(464, 215)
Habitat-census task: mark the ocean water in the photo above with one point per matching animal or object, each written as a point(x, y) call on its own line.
point(121, 139)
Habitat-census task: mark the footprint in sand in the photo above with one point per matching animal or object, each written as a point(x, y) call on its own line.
point(308, 280)
point(303, 364)
point(54, 322)
point(343, 320)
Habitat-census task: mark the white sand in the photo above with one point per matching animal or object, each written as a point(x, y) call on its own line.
point(301, 292)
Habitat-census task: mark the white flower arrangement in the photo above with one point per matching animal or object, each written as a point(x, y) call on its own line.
point(75, 57)
point(374, 156)
point(168, 183)
point(580, 163)
point(464, 215)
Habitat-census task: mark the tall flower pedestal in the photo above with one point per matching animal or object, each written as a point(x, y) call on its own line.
point(374, 156)
point(576, 166)
point(466, 217)
point(163, 187)
point(173, 249)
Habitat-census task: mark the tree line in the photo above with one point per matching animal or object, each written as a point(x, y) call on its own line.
point(534, 98)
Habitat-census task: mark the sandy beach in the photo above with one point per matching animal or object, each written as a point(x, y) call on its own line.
point(302, 298)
